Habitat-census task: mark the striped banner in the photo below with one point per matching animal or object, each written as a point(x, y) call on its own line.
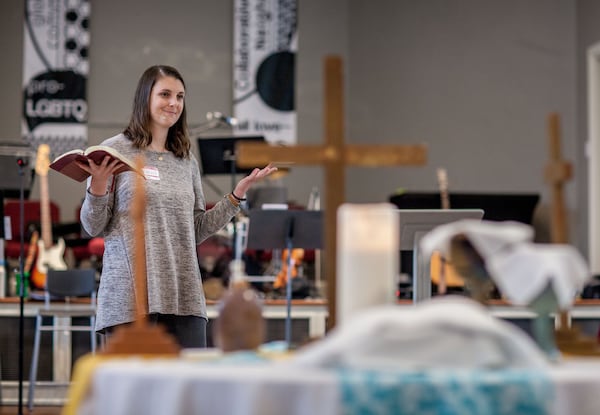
point(264, 63)
point(55, 70)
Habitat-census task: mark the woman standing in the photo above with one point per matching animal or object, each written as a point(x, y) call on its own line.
point(176, 218)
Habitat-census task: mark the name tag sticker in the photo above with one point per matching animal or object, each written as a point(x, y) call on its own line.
point(151, 173)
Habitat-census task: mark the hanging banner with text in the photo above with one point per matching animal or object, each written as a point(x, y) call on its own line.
point(264, 66)
point(55, 70)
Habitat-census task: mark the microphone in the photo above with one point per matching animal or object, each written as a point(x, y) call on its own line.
point(221, 117)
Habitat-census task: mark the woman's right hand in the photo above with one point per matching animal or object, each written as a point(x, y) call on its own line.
point(100, 173)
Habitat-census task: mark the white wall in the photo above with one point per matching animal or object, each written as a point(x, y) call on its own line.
point(473, 79)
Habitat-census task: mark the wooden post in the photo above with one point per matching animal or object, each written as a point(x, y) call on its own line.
point(558, 171)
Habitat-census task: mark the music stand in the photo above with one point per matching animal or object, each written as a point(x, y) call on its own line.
point(414, 224)
point(274, 229)
point(217, 156)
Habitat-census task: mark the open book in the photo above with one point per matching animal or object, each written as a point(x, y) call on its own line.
point(66, 162)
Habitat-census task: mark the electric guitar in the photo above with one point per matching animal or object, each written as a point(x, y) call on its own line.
point(27, 265)
point(50, 256)
point(297, 256)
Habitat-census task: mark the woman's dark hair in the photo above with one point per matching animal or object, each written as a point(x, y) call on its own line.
point(138, 130)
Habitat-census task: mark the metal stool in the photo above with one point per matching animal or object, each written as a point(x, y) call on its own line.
point(63, 285)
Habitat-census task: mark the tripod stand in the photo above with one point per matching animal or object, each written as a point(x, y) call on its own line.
point(272, 229)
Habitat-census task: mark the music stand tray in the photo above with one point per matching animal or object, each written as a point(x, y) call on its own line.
point(218, 153)
point(268, 229)
point(276, 229)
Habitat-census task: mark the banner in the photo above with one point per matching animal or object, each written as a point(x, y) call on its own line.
point(55, 69)
point(264, 66)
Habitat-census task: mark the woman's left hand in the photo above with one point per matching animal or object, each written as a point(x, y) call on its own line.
point(257, 174)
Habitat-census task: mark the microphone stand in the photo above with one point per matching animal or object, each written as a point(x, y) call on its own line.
point(228, 156)
point(204, 127)
point(21, 163)
point(215, 120)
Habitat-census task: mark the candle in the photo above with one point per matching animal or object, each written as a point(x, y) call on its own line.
point(368, 257)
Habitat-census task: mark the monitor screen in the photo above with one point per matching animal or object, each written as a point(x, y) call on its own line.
point(217, 154)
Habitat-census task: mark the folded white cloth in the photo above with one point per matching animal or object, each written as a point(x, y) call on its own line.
point(523, 272)
point(520, 269)
point(444, 332)
point(487, 237)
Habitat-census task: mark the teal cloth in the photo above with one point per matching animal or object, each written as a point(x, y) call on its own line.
point(445, 392)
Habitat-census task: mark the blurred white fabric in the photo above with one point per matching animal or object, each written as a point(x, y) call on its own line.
point(487, 237)
point(520, 269)
point(445, 332)
point(525, 271)
point(158, 387)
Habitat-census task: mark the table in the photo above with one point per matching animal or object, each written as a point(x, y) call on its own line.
point(315, 311)
point(138, 386)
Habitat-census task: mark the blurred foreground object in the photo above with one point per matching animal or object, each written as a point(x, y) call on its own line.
point(546, 278)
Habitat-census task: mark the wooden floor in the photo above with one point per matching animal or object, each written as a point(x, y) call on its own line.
point(38, 410)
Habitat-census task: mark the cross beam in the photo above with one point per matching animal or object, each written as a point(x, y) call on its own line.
point(334, 156)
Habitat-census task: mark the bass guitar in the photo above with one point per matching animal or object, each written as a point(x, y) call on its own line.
point(50, 256)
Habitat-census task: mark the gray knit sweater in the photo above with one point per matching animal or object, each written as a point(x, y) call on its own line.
point(176, 221)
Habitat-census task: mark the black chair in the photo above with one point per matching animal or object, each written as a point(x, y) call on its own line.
point(61, 287)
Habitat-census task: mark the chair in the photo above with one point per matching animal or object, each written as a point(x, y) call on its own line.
point(63, 285)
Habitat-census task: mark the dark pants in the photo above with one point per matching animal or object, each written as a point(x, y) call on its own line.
point(189, 331)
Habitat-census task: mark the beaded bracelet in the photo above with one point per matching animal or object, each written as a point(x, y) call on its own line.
point(239, 199)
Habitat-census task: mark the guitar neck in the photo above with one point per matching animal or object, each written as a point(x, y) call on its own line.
point(46, 223)
point(442, 177)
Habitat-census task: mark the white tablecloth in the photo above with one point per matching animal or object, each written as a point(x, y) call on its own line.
point(136, 386)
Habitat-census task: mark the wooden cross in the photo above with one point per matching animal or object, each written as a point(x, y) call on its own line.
point(334, 156)
point(558, 171)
